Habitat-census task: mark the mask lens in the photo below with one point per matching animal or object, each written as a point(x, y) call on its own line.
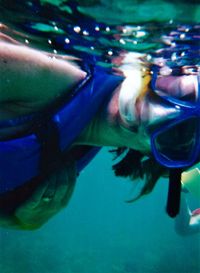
point(178, 142)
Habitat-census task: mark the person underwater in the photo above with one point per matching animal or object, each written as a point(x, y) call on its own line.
point(53, 112)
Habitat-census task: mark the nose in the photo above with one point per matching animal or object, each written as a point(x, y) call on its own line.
point(155, 111)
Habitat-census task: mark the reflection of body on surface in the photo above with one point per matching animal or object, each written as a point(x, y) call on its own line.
point(33, 81)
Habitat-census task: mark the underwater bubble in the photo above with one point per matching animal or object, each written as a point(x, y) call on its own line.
point(124, 30)
point(122, 41)
point(110, 52)
point(182, 36)
point(174, 56)
point(148, 57)
point(85, 33)
point(97, 28)
point(173, 44)
point(140, 34)
point(77, 29)
point(67, 40)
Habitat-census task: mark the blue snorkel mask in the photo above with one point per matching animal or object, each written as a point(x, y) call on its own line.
point(165, 121)
point(175, 143)
point(184, 128)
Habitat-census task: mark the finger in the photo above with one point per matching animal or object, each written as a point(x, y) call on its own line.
point(46, 192)
point(68, 195)
point(39, 210)
point(56, 187)
point(51, 188)
point(71, 181)
point(65, 181)
point(9, 222)
point(36, 197)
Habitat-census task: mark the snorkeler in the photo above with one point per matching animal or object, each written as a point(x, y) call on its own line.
point(145, 114)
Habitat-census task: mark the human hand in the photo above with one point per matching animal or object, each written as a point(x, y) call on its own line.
point(47, 200)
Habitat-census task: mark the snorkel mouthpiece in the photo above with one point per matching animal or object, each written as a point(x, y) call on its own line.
point(174, 192)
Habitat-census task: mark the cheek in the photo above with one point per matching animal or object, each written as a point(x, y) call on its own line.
point(112, 108)
point(143, 141)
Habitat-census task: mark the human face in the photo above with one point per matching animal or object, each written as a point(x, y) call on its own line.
point(168, 118)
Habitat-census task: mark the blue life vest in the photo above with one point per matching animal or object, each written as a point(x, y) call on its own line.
point(20, 158)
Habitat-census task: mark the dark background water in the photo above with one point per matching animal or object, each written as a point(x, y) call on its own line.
point(99, 232)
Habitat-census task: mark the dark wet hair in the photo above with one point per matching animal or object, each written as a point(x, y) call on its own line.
point(136, 165)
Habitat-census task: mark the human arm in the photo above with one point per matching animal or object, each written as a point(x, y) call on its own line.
point(46, 200)
point(31, 80)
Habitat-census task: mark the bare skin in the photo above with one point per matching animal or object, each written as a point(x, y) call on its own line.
point(39, 78)
point(52, 195)
point(30, 80)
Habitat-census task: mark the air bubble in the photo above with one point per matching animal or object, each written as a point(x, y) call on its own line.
point(85, 33)
point(110, 52)
point(67, 40)
point(122, 41)
point(77, 29)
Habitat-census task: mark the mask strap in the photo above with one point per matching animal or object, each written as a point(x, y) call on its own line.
point(174, 192)
point(51, 154)
point(155, 70)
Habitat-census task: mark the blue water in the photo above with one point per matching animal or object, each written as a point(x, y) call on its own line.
point(100, 232)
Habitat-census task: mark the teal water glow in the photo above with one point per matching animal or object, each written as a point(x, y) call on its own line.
point(99, 232)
